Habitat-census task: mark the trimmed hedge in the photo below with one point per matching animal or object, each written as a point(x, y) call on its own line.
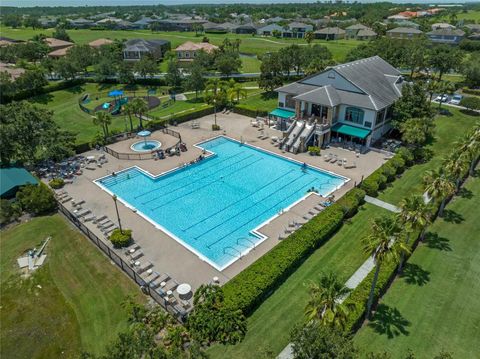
point(470, 91)
point(253, 285)
point(249, 111)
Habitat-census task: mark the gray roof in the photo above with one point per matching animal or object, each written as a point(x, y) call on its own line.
point(405, 30)
point(144, 45)
point(330, 30)
point(357, 27)
point(271, 27)
point(298, 24)
point(473, 27)
point(366, 32)
point(447, 32)
point(380, 82)
point(144, 21)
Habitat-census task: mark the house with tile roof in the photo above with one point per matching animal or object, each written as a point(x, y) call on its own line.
point(189, 50)
point(359, 32)
point(353, 101)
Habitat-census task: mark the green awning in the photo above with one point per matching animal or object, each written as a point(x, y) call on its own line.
point(282, 113)
point(351, 130)
point(12, 178)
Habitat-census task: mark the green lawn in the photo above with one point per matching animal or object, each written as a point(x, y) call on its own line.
point(69, 305)
point(249, 45)
point(469, 15)
point(261, 102)
point(250, 64)
point(270, 325)
point(435, 305)
point(448, 130)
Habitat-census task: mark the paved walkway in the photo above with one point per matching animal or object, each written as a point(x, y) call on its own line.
point(379, 203)
point(352, 283)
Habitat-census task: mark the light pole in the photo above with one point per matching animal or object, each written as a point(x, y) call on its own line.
point(118, 215)
point(215, 111)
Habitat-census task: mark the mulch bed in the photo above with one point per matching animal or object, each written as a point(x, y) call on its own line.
point(152, 102)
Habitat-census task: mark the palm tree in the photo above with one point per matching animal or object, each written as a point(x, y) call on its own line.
point(384, 245)
point(439, 186)
point(469, 147)
point(140, 108)
point(455, 166)
point(236, 91)
point(213, 85)
point(129, 109)
point(324, 304)
point(414, 215)
point(103, 119)
point(309, 36)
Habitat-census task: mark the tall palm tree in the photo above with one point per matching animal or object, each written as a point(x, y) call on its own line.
point(469, 147)
point(129, 109)
point(141, 108)
point(384, 244)
point(213, 85)
point(455, 166)
point(103, 119)
point(324, 304)
point(414, 215)
point(236, 91)
point(439, 186)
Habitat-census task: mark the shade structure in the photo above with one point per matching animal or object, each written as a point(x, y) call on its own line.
point(351, 130)
point(115, 93)
point(144, 133)
point(282, 113)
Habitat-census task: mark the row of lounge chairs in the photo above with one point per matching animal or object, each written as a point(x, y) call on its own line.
point(331, 158)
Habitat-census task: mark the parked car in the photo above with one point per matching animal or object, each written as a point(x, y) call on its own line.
point(456, 99)
point(442, 98)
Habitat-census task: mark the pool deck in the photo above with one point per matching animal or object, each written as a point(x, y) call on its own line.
point(164, 252)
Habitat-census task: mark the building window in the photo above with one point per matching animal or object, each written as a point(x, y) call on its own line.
point(289, 101)
point(187, 55)
point(380, 117)
point(355, 115)
point(281, 104)
point(368, 124)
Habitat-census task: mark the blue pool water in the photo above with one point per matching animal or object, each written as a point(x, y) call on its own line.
point(145, 146)
point(212, 206)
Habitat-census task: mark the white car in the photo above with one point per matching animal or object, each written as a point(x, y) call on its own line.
point(442, 98)
point(456, 99)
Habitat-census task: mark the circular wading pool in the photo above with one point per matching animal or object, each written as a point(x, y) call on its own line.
point(145, 146)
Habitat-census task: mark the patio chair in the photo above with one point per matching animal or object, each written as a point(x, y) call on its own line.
point(66, 199)
point(99, 219)
point(103, 222)
point(144, 267)
point(81, 213)
point(89, 217)
point(107, 226)
point(129, 248)
point(76, 204)
point(150, 277)
point(138, 254)
point(180, 310)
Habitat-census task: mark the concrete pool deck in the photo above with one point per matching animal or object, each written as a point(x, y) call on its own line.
point(164, 252)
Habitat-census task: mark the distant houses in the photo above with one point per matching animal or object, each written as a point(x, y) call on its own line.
point(359, 32)
point(404, 33)
point(58, 47)
point(297, 30)
point(135, 49)
point(96, 44)
point(330, 33)
point(189, 50)
point(446, 36)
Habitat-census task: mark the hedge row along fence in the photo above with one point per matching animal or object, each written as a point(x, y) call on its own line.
point(249, 111)
point(357, 300)
point(470, 91)
point(252, 286)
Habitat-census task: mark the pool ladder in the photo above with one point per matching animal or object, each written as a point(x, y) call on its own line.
point(248, 240)
point(234, 249)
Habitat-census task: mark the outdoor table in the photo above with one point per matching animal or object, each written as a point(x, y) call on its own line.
point(163, 284)
point(169, 293)
point(137, 263)
point(216, 280)
point(184, 289)
point(132, 250)
point(149, 271)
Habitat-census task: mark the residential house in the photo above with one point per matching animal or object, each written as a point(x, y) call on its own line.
point(297, 30)
point(59, 47)
point(189, 50)
point(178, 25)
point(6, 41)
point(213, 28)
point(360, 32)
point(442, 25)
point(47, 22)
point(96, 44)
point(143, 23)
point(404, 33)
point(474, 28)
point(245, 29)
point(446, 36)
point(135, 49)
point(80, 23)
point(11, 70)
point(268, 30)
point(55, 54)
point(348, 102)
point(406, 23)
point(124, 25)
point(330, 33)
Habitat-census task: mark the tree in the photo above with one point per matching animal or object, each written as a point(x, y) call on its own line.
point(211, 321)
point(12, 20)
point(470, 103)
point(31, 80)
point(444, 87)
point(140, 108)
point(65, 68)
point(384, 244)
point(324, 302)
point(146, 66)
point(456, 166)
point(196, 81)
point(412, 104)
point(469, 147)
point(36, 199)
point(235, 91)
point(471, 70)
point(314, 340)
point(32, 21)
point(81, 56)
point(174, 76)
point(270, 72)
point(309, 37)
point(228, 62)
point(129, 109)
point(415, 54)
point(439, 187)
point(417, 131)
point(414, 215)
point(102, 119)
point(444, 58)
point(125, 73)
point(61, 34)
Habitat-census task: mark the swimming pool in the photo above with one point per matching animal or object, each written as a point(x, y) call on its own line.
point(214, 206)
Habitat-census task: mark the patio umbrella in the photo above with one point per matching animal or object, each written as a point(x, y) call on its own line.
point(115, 94)
point(144, 134)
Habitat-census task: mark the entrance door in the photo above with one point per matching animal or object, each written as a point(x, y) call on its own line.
point(316, 110)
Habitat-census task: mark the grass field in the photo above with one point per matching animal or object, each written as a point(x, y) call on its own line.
point(270, 325)
point(69, 305)
point(469, 15)
point(435, 305)
point(261, 102)
point(249, 45)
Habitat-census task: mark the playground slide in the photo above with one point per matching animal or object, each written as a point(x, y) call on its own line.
point(306, 133)
point(299, 125)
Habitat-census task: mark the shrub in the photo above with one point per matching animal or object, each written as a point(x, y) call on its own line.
point(249, 288)
point(215, 127)
point(57, 183)
point(249, 111)
point(370, 186)
point(406, 155)
point(314, 150)
point(36, 199)
point(389, 171)
point(398, 163)
point(8, 211)
point(120, 239)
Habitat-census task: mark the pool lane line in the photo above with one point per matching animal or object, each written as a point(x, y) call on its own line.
point(257, 215)
point(207, 184)
point(254, 203)
point(238, 201)
point(201, 170)
point(194, 181)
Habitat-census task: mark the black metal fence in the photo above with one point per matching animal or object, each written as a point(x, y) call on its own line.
point(124, 266)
